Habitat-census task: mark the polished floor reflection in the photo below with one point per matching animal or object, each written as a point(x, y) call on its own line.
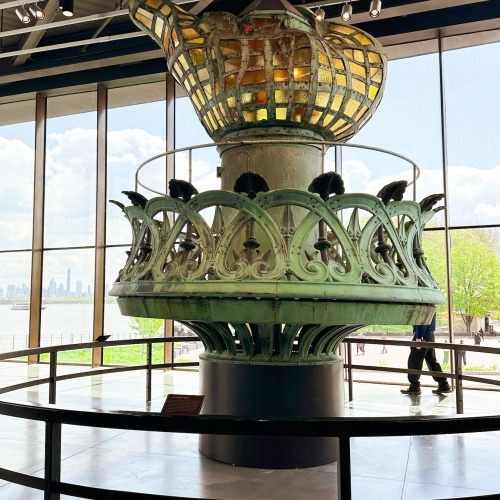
point(406, 468)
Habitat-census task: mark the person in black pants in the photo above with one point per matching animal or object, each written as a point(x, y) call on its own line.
point(424, 333)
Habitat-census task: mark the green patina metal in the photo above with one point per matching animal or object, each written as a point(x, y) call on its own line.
point(284, 287)
point(279, 277)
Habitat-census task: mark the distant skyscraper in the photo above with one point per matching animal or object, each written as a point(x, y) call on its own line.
point(79, 286)
point(68, 280)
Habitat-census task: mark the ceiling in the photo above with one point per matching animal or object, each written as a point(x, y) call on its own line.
point(100, 43)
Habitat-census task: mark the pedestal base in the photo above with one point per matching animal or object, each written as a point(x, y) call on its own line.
point(271, 390)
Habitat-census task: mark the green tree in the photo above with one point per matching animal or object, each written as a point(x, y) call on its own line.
point(147, 327)
point(475, 270)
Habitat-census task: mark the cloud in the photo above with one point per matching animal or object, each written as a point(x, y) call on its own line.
point(71, 184)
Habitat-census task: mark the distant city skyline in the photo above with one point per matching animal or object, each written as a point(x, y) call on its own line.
point(53, 290)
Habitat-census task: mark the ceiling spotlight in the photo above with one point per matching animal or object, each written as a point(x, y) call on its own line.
point(375, 8)
point(320, 14)
point(346, 12)
point(36, 11)
point(23, 15)
point(66, 7)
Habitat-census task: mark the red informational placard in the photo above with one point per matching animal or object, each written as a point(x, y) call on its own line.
point(181, 404)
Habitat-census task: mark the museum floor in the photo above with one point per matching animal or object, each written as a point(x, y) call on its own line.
point(406, 468)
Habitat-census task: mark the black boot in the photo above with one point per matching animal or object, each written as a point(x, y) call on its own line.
point(443, 388)
point(413, 390)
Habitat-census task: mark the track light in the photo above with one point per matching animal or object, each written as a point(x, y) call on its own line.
point(23, 15)
point(36, 12)
point(375, 8)
point(346, 12)
point(320, 14)
point(67, 7)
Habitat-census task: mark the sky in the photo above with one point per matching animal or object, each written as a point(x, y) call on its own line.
point(407, 122)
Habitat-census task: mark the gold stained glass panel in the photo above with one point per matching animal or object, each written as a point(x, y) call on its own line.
point(154, 3)
point(208, 91)
point(200, 96)
point(323, 58)
point(338, 64)
point(281, 75)
point(250, 116)
point(340, 28)
point(337, 124)
point(301, 97)
point(359, 56)
point(361, 113)
point(188, 33)
point(144, 17)
point(279, 59)
point(159, 27)
point(230, 47)
point(231, 102)
point(337, 102)
point(358, 86)
point(281, 96)
point(261, 114)
point(232, 64)
point(166, 10)
point(322, 99)
point(373, 57)
point(192, 80)
point(376, 75)
point(197, 56)
point(352, 107)
point(302, 56)
point(252, 77)
point(302, 74)
point(327, 120)
point(341, 80)
point(316, 115)
point(364, 40)
point(281, 113)
point(203, 74)
point(231, 81)
point(373, 92)
point(198, 41)
point(256, 62)
point(357, 69)
point(325, 76)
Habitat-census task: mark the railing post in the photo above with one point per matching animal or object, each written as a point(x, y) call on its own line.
point(53, 378)
point(149, 362)
point(459, 395)
point(52, 460)
point(349, 371)
point(344, 468)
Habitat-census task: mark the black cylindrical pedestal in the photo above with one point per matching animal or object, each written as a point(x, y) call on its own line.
point(271, 390)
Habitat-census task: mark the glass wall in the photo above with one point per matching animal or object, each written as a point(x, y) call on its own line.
point(408, 122)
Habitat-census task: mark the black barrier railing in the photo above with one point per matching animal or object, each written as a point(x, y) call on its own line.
point(343, 428)
point(456, 374)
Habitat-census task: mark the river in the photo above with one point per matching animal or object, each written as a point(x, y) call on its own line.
point(61, 324)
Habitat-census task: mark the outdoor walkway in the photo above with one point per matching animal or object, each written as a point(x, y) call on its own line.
point(406, 468)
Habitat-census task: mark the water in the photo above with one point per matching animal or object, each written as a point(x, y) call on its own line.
point(61, 324)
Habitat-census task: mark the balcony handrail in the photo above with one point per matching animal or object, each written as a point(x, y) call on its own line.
point(323, 144)
point(344, 428)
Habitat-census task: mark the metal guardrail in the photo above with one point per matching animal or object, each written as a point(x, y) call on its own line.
point(344, 428)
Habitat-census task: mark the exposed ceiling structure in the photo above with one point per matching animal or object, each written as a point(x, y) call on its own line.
point(100, 43)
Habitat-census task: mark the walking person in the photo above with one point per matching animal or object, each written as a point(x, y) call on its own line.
point(384, 348)
point(416, 359)
point(360, 346)
point(462, 354)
